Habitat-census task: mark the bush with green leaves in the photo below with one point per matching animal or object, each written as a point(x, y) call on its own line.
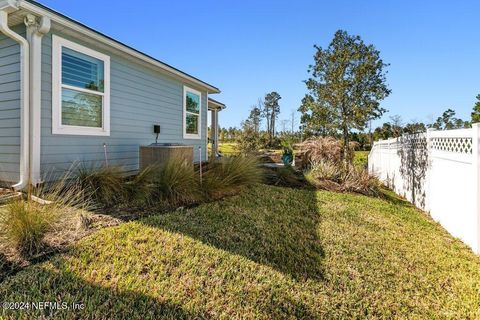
point(248, 141)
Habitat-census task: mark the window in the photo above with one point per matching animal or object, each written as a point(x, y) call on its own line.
point(81, 90)
point(191, 113)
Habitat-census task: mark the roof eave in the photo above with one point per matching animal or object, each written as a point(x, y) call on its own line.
point(41, 10)
point(215, 105)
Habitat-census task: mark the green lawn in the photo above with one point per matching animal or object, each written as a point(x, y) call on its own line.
point(228, 148)
point(270, 253)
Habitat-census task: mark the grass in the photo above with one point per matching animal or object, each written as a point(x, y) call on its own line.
point(269, 253)
point(228, 148)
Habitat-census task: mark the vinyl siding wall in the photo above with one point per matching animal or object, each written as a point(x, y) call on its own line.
point(140, 98)
point(10, 108)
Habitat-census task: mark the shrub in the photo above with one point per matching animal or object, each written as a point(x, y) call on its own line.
point(327, 149)
point(248, 141)
point(174, 182)
point(105, 184)
point(229, 174)
point(360, 159)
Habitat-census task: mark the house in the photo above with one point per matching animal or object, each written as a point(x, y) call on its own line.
point(69, 93)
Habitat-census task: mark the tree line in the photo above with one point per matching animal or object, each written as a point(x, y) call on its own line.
point(346, 85)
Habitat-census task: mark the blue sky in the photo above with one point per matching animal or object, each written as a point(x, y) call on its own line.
point(248, 48)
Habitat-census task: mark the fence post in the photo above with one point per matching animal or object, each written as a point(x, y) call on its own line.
point(476, 177)
point(428, 193)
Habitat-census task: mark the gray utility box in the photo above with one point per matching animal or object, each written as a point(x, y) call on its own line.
point(161, 153)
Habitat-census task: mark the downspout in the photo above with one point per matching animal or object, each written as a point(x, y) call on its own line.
point(206, 129)
point(5, 8)
point(36, 29)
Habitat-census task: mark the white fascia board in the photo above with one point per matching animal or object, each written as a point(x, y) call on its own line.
point(8, 6)
point(112, 43)
point(213, 105)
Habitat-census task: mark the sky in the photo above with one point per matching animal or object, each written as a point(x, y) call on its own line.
point(249, 48)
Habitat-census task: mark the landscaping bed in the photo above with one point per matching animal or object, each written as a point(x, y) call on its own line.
point(268, 253)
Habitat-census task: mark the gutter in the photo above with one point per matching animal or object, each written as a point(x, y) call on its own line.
point(6, 7)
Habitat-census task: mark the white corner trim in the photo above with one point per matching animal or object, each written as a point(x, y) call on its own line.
point(186, 135)
point(57, 127)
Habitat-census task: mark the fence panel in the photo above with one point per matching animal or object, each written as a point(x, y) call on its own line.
point(438, 172)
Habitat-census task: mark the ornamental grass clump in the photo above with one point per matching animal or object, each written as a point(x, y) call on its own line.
point(25, 221)
point(228, 175)
point(336, 177)
point(326, 170)
point(324, 149)
point(105, 184)
point(358, 180)
point(139, 188)
point(174, 182)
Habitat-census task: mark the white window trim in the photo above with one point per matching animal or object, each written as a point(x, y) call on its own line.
point(185, 134)
point(57, 127)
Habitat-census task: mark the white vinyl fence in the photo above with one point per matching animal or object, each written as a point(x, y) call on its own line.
point(439, 172)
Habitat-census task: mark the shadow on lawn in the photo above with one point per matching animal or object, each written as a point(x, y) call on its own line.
point(6, 267)
point(99, 302)
point(55, 283)
point(277, 228)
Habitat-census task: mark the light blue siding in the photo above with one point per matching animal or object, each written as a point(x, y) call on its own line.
point(140, 98)
point(9, 108)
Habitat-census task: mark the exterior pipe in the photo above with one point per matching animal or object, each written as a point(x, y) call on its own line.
point(24, 95)
point(35, 32)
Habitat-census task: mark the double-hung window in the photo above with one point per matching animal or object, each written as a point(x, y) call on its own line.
point(81, 89)
point(191, 113)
